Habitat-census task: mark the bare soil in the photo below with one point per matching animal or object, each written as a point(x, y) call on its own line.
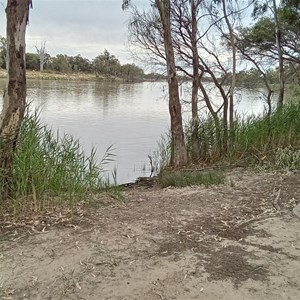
point(240, 240)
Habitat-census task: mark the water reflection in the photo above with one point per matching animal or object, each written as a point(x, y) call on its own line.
point(132, 117)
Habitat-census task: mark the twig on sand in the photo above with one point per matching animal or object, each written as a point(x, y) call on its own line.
point(275, 202)
point(248, 221)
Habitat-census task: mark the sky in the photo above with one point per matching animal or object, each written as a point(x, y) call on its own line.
point(72, 27)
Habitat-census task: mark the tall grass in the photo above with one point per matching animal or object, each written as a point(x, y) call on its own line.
point(258, 139)
point(162, 155)
point(49, 166)
point(269, 141)
point(210, 135)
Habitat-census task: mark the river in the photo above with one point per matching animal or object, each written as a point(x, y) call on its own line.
point(131, 117)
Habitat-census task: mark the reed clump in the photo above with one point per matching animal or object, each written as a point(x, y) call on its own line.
point(259, 140)
point(254, 140)
point(266, 141)
point(49, 168)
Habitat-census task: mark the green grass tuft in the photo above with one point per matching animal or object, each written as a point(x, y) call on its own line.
point(287, 158)
point(189, 178)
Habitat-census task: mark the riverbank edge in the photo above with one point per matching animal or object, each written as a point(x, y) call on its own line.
point(36, 75)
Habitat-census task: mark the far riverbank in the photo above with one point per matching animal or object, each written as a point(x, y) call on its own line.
point(80, 76)
point(63, 76)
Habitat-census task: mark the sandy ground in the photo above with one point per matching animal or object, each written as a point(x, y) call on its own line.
point(240, 240)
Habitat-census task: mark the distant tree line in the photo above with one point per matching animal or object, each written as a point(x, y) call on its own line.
point(104, 65)
point(252, 78)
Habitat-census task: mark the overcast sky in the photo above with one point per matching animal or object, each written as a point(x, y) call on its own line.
point(72, 27)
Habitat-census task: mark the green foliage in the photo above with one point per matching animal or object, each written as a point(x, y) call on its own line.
point(293, 94)
point(131, 72)
point(46, 166)
point(80, 64)
point(253, 78)
point(261, 34)
point(3, 52)
point(289, 13)
point(249, 78)
point(106, 64)
point(32, 61)
point(259, 40)
point(287, 158)
point(189, 178)
point(60, 63)
point(210, 134)
point(154, 76)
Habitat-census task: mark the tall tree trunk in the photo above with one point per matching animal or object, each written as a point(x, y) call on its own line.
point(280, 57)
point(17, 13)
point(233, 77)
point(179, 152)
point(196, 79)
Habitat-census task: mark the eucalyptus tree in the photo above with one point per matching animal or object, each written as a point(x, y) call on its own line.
point(147, 32)
point(17, 15)
point(131, 72)
point(165, 49)
point(274, 38)
point(41, 51)
point(60, 63)
point(204, 42)
point(185, 17)
point(179, 153)
point(106, 64)
point(232, 43)
point(81, 64)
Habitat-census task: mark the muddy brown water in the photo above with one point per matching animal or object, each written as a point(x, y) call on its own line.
point(131, 117)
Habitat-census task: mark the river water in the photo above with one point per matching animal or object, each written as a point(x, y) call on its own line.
point(131, 117)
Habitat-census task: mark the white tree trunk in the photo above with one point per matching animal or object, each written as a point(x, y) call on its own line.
point(179, 152)
point(17, 13)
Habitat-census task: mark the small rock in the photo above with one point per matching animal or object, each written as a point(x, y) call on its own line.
point(296, 210)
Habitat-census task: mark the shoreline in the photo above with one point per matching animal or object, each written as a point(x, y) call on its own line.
point(37, 75)
point(62, 76)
